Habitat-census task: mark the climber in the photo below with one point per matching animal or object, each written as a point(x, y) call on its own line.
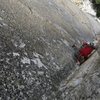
point(85, 51)
point(81, 54)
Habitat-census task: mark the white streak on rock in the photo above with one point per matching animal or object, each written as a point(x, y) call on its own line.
point(38, 62)
point(16, 54)
point(25, 60)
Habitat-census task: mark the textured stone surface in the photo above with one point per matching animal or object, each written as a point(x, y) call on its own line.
point(83, 83)
point(35, 46)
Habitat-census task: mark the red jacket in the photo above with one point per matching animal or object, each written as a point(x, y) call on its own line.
point(85, 50)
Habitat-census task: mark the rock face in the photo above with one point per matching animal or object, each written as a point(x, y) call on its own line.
point(83, 83)
point(35, 46)
point(78, 2)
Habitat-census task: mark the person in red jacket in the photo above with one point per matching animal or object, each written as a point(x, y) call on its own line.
point(81, 54)
point(85, 51)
